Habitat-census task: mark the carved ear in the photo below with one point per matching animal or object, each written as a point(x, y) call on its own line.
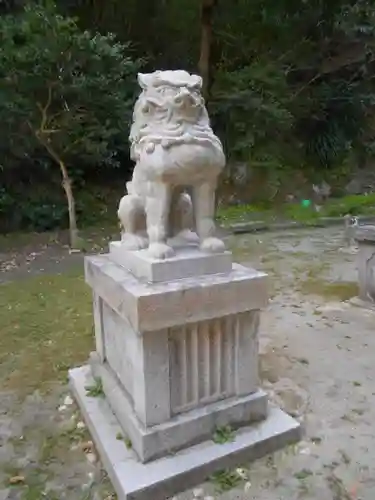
point(196, 81)
point(145, 80)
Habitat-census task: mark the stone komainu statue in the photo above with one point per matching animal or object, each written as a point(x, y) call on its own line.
point(174, 148)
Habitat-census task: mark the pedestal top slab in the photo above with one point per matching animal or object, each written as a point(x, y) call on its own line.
point(365, 233)
point(188, 261)
point(153, 306)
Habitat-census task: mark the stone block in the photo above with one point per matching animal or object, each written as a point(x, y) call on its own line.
point(365, 238)
point(165, 477)
point(177, 359)
point(153, 306)
point(187, 262)
point(182, 429)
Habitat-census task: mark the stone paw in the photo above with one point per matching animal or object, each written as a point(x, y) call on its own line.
point(160, 251)
point(188, 236)
point(212, 245)
point(133, 242)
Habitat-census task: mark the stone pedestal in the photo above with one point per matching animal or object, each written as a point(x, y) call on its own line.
point(365, 238)
point(177, 359)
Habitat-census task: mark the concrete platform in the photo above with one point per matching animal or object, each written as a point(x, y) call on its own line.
point(365, 304)
point(165, 477)
point(188, 261)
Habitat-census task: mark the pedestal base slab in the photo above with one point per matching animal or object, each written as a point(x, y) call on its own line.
point(365, 304)
point(182, 430)
point(165, 477)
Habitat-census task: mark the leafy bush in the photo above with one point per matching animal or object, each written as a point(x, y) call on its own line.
point(65, 90)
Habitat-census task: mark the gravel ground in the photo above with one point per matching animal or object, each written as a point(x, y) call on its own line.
point(316, 363)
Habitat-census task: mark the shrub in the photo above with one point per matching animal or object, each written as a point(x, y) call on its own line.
point(63, 89)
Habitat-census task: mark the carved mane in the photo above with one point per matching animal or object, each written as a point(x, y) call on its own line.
point(170, 110)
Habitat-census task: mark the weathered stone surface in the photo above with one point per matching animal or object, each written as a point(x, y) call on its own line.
point(183, 428)
point(365, 237)
point(191, 367)
point(163, 478)
point(153, 306)
point(173, 146)
point(186, 262)
point(365, 233)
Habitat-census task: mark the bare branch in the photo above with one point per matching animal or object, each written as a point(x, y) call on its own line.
point(44, 109)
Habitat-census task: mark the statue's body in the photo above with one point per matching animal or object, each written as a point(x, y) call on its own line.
point(174, 148)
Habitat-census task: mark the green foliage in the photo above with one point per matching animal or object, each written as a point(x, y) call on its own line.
point(351, 204)
point(292, 82)
point(314, 60)
point(65, 91)
point(96, 389)
point(63, 88)
point(335, 207)
point(226, 480)
point(223, 435)
point(251, 106)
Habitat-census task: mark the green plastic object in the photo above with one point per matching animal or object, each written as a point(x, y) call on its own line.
point(306, 203)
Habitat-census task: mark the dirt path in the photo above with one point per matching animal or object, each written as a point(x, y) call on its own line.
point(317, 363)
point(24, 255)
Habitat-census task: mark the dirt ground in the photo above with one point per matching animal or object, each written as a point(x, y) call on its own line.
point(316, 362)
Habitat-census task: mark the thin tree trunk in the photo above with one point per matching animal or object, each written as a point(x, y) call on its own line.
point(204, 64)
point(67, 185)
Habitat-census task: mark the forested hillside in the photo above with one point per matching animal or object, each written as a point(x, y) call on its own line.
point(289, 86)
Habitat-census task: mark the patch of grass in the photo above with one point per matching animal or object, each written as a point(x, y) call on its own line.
point(33, 485)
point(46, 324)
point(242, 213)
point(55, 446)
point(342, 290)
point(298, 213)
point(92, 238)
point(336, 207)
point(355, 204)
point(127, 441)
point(303, 474)
point(96, 389)
point(225, 480)
point(223, 435)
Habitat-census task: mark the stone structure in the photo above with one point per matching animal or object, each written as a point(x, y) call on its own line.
point(176, 322)
point(173, 146)
point(365, 238)
point(351, 225)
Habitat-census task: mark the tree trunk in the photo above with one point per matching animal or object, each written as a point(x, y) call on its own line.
point(204, 64)
point(67, 185)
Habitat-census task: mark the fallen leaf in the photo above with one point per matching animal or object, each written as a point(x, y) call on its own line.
point(17, 480)
point(87, 446)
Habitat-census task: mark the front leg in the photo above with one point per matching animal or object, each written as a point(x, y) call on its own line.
point(157, 212)
point(204, 205)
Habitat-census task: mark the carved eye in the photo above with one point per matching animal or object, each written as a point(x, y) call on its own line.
point(146, 109)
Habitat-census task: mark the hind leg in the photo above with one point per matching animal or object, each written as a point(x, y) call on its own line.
point(184, 219)
point(132, 219)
